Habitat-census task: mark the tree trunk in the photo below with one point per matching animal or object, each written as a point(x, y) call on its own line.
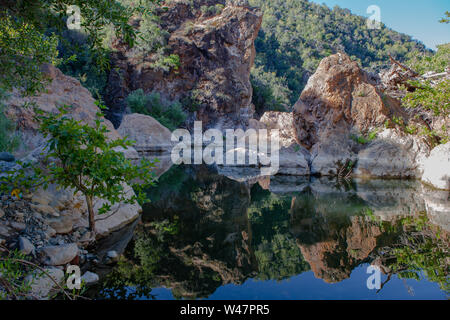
point(91, 213)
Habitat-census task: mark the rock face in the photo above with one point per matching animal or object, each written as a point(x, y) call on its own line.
point(338, 95)
point(342, 102)
point(149, 134)
point(392, 155)
point(216, 53)
point(61, 90)
point(437, 167)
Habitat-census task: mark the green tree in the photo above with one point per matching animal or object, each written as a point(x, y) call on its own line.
point(87, 162)
point(26, 46)
point(83, 158)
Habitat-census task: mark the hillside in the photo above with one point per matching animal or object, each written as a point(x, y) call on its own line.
point(295, 36)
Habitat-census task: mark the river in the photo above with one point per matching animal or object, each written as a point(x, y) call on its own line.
point(210, 234)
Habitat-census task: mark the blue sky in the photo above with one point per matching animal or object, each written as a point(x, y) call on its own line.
point(418, 18)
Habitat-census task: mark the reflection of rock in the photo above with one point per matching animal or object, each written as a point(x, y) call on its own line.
point(213, 239)
point(334, 259)
point(437, 167)
point(332, 237)
point(389, 199)
point(337, 230)
point(437, 205)
point(288, 184)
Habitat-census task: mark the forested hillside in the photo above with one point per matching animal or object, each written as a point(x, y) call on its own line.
point(296, 34)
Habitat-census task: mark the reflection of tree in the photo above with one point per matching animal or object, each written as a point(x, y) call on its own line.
point(279, 259)
point(420, 252)
point(134, 275)
point(210, 231)
point(277, 255)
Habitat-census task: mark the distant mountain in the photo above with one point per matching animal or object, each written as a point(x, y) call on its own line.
point(296, 34)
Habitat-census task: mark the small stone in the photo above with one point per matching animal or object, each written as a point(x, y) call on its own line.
point(19, 226)
point(44, 209)
point(50, 232)
point(6, 156)
point(2, 213)
point(19, 216)
point(25, 246)
point(111, 256)
point(62, 225)
point(90, 278)
point(58, 255)
point(5, 231)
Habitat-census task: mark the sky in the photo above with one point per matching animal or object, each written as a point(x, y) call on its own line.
point(417, 18)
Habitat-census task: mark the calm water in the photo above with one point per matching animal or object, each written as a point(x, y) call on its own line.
point(209, 236)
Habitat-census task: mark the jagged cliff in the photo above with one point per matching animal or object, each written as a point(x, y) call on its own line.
point(216, 52)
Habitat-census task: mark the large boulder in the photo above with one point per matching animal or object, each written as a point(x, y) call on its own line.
point(339, 94)
point(436, 168)
point(64, 90)
point(60, 90)
point(393, 154)
point(340, 103)
point(149, 134)
point(216, 53)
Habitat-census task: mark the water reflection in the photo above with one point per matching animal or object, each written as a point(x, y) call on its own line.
point(204, 231)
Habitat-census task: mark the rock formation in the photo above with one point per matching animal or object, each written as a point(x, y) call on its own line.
point(340, 103)
point(216, 53)
point(149, 135)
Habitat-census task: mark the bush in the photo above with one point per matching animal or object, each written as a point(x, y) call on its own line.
point(269, 92)
point(169, 113)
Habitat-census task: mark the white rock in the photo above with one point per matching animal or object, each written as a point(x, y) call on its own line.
point(90, 278)
point(41, 284)
point(437, 168)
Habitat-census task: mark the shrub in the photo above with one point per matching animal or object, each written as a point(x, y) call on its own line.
point(169, 113)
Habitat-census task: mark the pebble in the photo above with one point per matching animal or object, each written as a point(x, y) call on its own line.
point(90, 278)
point(25, 246)
point(2, 213)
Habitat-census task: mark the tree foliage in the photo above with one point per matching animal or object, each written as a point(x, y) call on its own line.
point(82, 157)
point(26, 45)
point(297, 34)
point(169, 113)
